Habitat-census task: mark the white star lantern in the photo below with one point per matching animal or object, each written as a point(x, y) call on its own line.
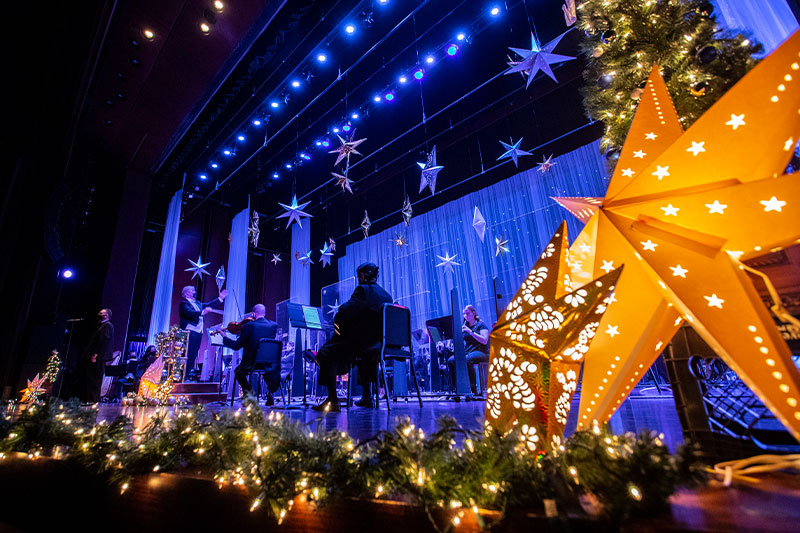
point(546, 164)
point(326, 252)
point(513, 152)
point(430, 170)
point(447, 262)
point(538, 58)
point(198, 268)
point(294, 212)
point(479, 223)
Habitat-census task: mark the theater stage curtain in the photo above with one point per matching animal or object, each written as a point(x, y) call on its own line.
point(237, 273)
point(162, 300)
point(519, 208)
point(770, 21)
point(300, 284)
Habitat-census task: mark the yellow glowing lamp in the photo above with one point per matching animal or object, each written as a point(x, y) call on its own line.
point(31, 393)
point(537, 347)
point(682, 209)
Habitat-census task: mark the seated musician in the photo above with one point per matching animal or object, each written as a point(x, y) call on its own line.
point(252, 333)
point(476, 346)
point(358, 329)
point(191, 312)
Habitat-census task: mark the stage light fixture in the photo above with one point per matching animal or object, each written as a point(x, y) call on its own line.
point(203, 177)
point(318, 143)
point(226, 152)
point(355, 116)
point(383, 2)
point(295, 84)
point(256, 122)
point(219, 6)
point(376, 98)
point(389, 96)
point(205, 28)
point(452, 50)
point(135, 62)
point(274, 104)
point(346, 127)
point(148, 34)
point(214, 165)
point(305, 156)
point(326, 144)
point(402, 79)
point(495, 11)
point(275, 176)
point(335, 130)
point(240, 138)
point(288, 165)
point(322, 58)
point(350, 29)
point(429, 60)
point(419, 74)
point(461, 36)
point(67, 273)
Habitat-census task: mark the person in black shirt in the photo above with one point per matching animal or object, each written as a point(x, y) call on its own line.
point(252, 333)
point(358, 328)
point(476, 346)
point(91, 366)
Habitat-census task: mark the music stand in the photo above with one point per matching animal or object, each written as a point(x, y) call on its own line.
point(301, 317)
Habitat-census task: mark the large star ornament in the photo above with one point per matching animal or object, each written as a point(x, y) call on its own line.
point(343, 181)
point(537, 58)
point(276, 258)
point(712, 292)
point(447, 262)
point(501, 246)
point(479, 223)
point(327, 253)
point(513, 152)
point(429, 172)
point(407, 211)
point(294, 212)
point(304, 259)
point(31, 393)
point(347, 148)
point(198, 268)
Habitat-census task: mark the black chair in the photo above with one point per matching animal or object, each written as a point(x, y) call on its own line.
point(267, 366)
point(396, 343)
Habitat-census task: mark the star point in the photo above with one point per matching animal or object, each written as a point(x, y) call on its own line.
point(198, 268)
point(276, 258)
point(447, 262)
point(347, 147)
point(343, 181)
point(546, 164)
point(501, 246)
point(537, 58)
point(430, 171)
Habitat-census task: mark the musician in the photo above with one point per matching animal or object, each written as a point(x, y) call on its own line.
point(94, 358)
point(191, 312)
point(476, 346)
point(252, 333)
point(357, 330)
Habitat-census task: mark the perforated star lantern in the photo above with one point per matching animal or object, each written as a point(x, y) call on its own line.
point(365, 224)
point(303, 259)
point(325, 255)
point(501, 245)
point(343, 181)
point(546, 164)
point(198, 268)
point(294, 212)
point(31, 393)
point(513, 152)
point(276, 258)
point(680, 210)
point(430, 170)
point(220, 277)
point(479, 223)
point(347, 148)
point(399, 240)
point(538, 58)
point(407, 211)
point(447, 262)
point(537, 346)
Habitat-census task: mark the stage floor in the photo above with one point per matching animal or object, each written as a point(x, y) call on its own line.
point(642, 411)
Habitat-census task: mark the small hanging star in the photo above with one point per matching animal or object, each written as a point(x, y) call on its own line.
point(304, 259)
point(513, 152)
point(294, 211)
point(347, 147)
point(326, 252)
point(546, 164)
point(332, 243)
point(447, 262)
point(276, 258)
point(399, 240)
point(220, 277)
point(253, 231)
point(538, 58)
point(334, 307)
point(501, 245)
point(343, 181)
point(198, 268)
point(429, 172)
point(479, 223)
point(30, 394)
point(407, 211)
point(365, 224)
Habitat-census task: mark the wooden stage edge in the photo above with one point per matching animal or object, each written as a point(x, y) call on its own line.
point(43, 494)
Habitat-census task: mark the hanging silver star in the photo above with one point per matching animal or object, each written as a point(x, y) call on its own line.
point(276, 258)
point(447, 262)
point(220, 277)
point(479, 223)
point(304, 259)
point(326, 252)
point(501, 245)
point(538, 58)
point(198, 268)
point(365, 224)
point(429, 172)
point(334, 308)
point(347, 147)
point(513, 151)
point(332, 243)
point(253, 231)
point(343, 181)
point(294, 212)
point(399, 240)
point(407, 211)
point(546, 164)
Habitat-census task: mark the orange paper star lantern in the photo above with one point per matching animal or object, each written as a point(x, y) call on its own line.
point(537, 347)
point(682, 209)
point(30, 394)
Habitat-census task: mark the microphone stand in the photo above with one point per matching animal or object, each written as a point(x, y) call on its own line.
point(66, 356)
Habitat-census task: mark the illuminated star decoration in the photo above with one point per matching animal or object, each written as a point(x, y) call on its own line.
point(220, 277)
point(347, 147)
point(447, 262)
point(716, 296)
point(326, 252)
point(513, 152)
point(538, 58)
point(546, 164)
point(334, 307)
point(479, 223)
point(253, 231)
point(198, 268)
point(365, 224)
point(30, 394)
point(537, 347)
point(343, 181)
point(501, 246)
point(294, 212)
point(303, 259)
point(407, 211)
point(332, 243)
point(276, 258)
point(399, 240)
point(429, 172)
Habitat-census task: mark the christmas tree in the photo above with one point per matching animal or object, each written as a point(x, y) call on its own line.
point(624, 38)
point(53, 366)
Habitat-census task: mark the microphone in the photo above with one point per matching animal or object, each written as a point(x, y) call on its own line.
point(75, 320)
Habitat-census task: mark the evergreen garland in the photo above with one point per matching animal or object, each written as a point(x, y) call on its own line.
point(279, 460)
point(624, 38)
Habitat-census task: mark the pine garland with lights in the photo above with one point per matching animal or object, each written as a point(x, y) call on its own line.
point(279, 460)
point(624, 38)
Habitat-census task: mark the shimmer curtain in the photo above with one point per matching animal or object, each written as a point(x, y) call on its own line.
point(770, 21)
point(518, 208)
point(300, 284)
point(237, 275)
point(162, 300)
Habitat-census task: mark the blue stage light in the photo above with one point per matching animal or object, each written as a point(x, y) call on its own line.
point(355, 116)
point(295, 84)
point(322, 58)
point(452, 50)
point(214, 165)
point(67, 273)
point(318, 143)
point(350, 29)
point(376, 98)
point(402, 79)
point(240, 138)
point(346, 127)
point(461, 36)
point(203, 177)
point(335, 130)
point(429, 60)
point(256, 122)
point(419, 74)
point(288, 165)
point(389, 96)
point(495, 11)
point(305, 156)
point(226, 152)
point(274, 104)
point(383, 2)
point(326, 144)
point(275, 176)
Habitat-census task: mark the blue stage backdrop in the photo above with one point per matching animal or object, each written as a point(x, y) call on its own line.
point(770, 21)
point(519, 208)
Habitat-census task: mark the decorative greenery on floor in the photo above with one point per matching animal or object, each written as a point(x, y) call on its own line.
point(612, 476)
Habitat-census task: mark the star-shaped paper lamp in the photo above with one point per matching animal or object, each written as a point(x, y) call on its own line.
point(407, 211)
point(513, 152)
point(365, 224)
point(220, 277)
point(538, 58)
point(276, 258)
point(399, 240)
point(501, 245)
point(326, 252)
point(479, 223)
point(198, 268)
point(546, 164)
point(343, 181)
point(701, 212)
point(294, 211)
point(253, 232)
point(537, 346)
point(429, 172)
point(447, 262)
point(31, 393)
point(303, 259)
point(346, 148)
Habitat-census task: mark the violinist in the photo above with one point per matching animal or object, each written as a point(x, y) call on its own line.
point(191, 312)
point(251, 334)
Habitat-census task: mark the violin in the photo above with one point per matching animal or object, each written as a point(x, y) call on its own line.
point(234, 327)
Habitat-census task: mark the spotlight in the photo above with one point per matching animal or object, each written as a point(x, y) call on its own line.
point(335, 130)
point(67, 273)
point(226, 152)
point(383, 2)
point(205, 28)
point(429, 60)
point(203, 177)
point(274, 104)
point(389, 96)
point(256, 122)
point(419, 74)
point(452, 50)
point(495, 11)
point(295, 84)
point(346, 127)
point(355, 116)
point(214, 165)
point(219, 6)
point(322, 58)
point(149, 35)
point(305, 156)
point(318, 143)
point(135, 62)
point(377, 98)
point(240, 138)
point(288, 165)
point(350, 29)
point(275, 176)
point(461, 36)
point(326, 144)
point(402, 79)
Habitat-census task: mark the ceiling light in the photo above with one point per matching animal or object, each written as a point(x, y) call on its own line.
point(495, 11)
point(305, 156)
point(240, 138)
point(66, 273)
point(461, 36)
point(322, 58)
point(256, 122)
point(318, 143)
point(346, 127)
point(402, 79)
point(205, 28)
point(429, 60)
point(226, 152)
point(335, 130)
point(326, 144)
point(288, 165)
point(149, 35)
point(214, 165)
point(419, 74)
point(275, 175)
point(295, 84)
point(389, 96)
point(355, 116)
point(219, 6)
point(350, 29)
point(383, 2)
point(377, 98)
point(452, 50)
point(203, 177)
point(274, 104)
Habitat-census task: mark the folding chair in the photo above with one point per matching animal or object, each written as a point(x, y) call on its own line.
point(267, 365)
point(396, 337)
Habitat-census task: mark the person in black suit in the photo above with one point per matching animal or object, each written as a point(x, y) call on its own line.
point(94, 358)
point(358, 329)
point(191, 312)
point(248, 341)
